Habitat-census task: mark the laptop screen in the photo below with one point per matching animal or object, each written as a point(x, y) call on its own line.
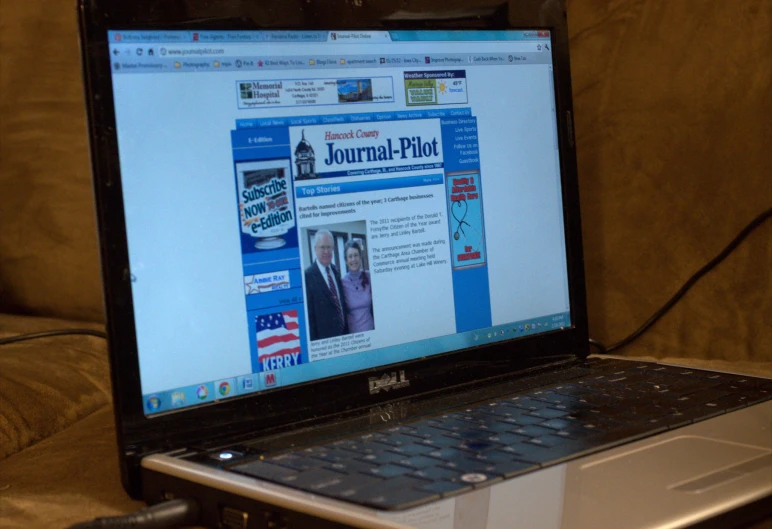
point(305, 204)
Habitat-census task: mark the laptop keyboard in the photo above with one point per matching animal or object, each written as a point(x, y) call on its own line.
point(421, 461)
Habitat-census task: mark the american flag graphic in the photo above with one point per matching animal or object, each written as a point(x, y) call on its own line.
point(277, 334)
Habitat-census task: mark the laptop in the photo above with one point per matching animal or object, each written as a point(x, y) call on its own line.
point(342, 260)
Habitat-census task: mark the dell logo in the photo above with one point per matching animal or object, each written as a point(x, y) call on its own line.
point(387, 382)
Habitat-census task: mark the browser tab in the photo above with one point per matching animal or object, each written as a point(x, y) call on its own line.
point(148, 36)
point(359, 37)
point(230, 36)
point(294, 36)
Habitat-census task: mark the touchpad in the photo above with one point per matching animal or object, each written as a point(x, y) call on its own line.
point(686, 463)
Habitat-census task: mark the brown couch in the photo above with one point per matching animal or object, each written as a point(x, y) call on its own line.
point(672, 101)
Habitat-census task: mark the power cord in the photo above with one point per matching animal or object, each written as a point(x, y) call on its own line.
point(46, 334)
point(755, 223)
point(172, 513)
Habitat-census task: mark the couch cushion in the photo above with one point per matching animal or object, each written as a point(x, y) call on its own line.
point(48, 251)
point(672, 104)
point(48, 384)
point(71, 477)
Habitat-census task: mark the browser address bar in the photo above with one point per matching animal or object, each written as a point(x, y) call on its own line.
point(198, 50)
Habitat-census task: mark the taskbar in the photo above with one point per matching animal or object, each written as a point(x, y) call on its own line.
point(163, 402)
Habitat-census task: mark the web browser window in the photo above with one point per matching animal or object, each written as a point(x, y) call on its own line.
point(304, 204)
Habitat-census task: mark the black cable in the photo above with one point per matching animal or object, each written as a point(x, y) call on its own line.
point(601, 348)
point(755, 223)
point(172, 513)
point(46, 334)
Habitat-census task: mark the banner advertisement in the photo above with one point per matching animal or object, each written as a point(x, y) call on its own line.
point(266, 205)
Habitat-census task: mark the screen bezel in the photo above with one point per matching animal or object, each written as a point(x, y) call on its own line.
point(139, 435)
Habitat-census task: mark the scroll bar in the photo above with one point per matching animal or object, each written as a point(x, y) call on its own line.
point(554, 112)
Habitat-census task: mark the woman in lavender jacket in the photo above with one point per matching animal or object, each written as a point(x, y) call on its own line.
point(358, 292)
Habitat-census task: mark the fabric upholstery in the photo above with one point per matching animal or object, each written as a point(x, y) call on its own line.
point(48, 252)
point(672, 102)
point(70, 477)
point(48, 384)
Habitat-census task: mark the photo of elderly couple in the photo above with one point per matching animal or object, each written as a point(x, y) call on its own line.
point(339, 295)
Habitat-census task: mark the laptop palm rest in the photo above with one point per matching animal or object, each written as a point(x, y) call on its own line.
point(689, 464)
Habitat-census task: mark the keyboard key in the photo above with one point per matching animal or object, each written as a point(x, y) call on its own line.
point(451, 425)
point(759, 394)
point(424, 431)
point(389, 471)
point(509, 469)
point(533, 431)
point(369, 437)
point(548, 413)
point(396, 493)
point(507, 438)
point(489, 471)
point(398, 440)
point(497, 427)
point(477, 445)
point(414, 449)
point(313, 451)
point(548, 440)
point(567, 434)
point(627, 433)
point(315, 480)
point(350, 467)
point(486, 413)
point(260, 469)
point(382, 458)
point(494, 456)
point(468, 434)
point(441, 441)
point(527, 404)
point(731, 402)
point(348, 444)
point(350, 486)
point(447, 454)
point(700, 397)
point(557, 424)
point(555, 398)
point(697, 413)
point(436, 473)
point(533, 453)
point(447, 488)
point(335, 455)
point(295, 461)
point(468, 468)
point(417, 462)
point(523, 420)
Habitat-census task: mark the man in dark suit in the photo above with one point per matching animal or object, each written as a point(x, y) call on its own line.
point(324, 291)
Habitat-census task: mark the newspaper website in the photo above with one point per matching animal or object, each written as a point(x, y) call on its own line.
point(365, 229)
point(332, 221)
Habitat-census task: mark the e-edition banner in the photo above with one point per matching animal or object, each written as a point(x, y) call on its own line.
point(371, 148)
